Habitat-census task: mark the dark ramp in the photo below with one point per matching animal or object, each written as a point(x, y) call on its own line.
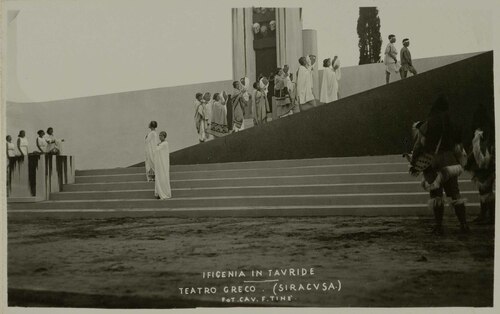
point(375, 122)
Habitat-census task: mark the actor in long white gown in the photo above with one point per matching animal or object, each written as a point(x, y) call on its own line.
point(330, 82)
point(304, 94)
point(162, 169)
point(152, 141)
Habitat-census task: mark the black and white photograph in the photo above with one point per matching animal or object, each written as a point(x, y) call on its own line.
point(248, 155)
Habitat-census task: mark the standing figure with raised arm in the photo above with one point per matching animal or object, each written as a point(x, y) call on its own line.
point(305, 96)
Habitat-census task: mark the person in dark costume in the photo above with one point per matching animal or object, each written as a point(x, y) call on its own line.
point(438, 136)
point(481, 164)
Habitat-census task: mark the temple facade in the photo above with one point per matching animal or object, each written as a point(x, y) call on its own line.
point(267, 38)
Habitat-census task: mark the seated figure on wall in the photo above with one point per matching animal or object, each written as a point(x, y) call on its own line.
point(10, 147)
point(54, 145)
point(22, 144)
point(41, 143)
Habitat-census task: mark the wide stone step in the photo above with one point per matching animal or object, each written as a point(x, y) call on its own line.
point(255, 164)
point(255, 181)
point(225, 201)
point(399, 187)
point(419, 209)
point(247, 173)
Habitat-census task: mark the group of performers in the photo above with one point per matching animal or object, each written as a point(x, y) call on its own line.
point(438, 151)
point(222, 114)
point(391, 62)
point(441, 156)
point(158, 161)
point(46, 143)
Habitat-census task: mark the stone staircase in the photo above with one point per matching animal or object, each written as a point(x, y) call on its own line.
point(364, 186)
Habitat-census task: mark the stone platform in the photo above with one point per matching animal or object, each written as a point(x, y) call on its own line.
point(355, 186)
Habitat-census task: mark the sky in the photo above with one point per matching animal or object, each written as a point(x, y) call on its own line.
point(77, 48)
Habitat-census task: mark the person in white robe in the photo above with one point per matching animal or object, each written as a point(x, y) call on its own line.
point(152, 141)
point(338, 73)
point(199, 117)
point(282, 98)
point(264, 88)
point(304, 95)
point(310, 60)
point(237, 107)
point(22, 143)
point(41, 143)
point(208, 103)
point(330, 82)
point(218, 125)
point(288, 78)
point(246, 103)
point(162, 169)
point(11, 148)
point(290, 84)
point(11, 153)
point(260, 103)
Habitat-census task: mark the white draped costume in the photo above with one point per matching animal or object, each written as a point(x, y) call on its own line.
point(304, 85)
point(152, 141)
point(330, 84)
point(23, 146)
point(162, 171)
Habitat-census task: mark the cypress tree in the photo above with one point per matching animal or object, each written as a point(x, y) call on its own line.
point(370, 41)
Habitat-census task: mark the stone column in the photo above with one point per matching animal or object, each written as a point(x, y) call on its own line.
point(239, 60)
point(14, 91)
point(243, 53)
point(249, 51)
point(289, 38)
point(310, 46)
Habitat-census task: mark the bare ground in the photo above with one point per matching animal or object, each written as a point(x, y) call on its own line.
point(145, 262)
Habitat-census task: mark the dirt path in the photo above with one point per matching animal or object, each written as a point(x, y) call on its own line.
point(356, 261)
